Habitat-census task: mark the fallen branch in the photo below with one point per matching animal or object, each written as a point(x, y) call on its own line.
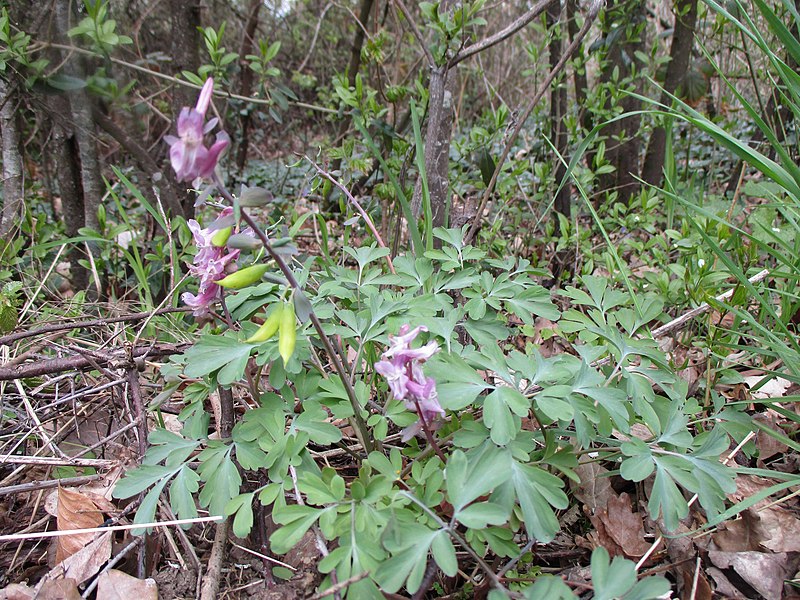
point(116, 359)
point(211, 580)
point(61, 326)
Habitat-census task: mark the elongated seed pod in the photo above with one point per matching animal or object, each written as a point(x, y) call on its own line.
point(288, 332)
point(243, 277)
point(269, 328)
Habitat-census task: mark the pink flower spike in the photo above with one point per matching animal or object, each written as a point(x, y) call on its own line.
point(188, 154)
point(205, 96)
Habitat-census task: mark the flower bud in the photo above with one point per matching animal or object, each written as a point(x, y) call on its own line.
point(243, 277)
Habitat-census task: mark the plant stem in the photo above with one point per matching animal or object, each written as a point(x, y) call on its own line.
point(428, 434)
point(457, 537)
point(333, 352)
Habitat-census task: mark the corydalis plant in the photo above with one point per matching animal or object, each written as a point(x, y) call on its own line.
point(402, 368)
point(211, 263)
point(188, 154)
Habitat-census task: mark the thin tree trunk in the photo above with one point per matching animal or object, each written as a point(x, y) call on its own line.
point(622, 139)
point(579, 71)
point(352, 69)
point(680, 53)
point(13, 183)
point(185, 52)
point(246, 87)
point(558, 109)
point(437, 146)
point(62, 149)
point(84, 129)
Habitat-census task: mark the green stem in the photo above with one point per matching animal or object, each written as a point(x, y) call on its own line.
point(333, 352)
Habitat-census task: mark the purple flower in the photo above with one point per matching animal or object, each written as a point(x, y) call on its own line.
point(189, 157)
point(402, 367)
point(210, 264)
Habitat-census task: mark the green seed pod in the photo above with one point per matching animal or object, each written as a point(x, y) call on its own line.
point(288, 332)
point(269, 328)
point(243, 277)
point(220, 238)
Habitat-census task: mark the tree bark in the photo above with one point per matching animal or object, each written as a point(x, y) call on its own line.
point(580, 79)
point(13, 183)
point(84, 130)
point(558, 110)
point(246, 83)
point(680, 54)
point(437, 146)
point(64, 153)
point(352, 70)
point(185, 52)
point(622, 140)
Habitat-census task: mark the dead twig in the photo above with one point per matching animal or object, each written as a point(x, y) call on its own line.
point(77, 363)
point(214, 571)
point(61, 326)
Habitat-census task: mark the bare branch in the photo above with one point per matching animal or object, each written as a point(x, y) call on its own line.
point(417, 34)
point(501, 35)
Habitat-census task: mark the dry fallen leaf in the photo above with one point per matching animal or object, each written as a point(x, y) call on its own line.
point(59, 589)
point(594, 490)
point(116, 585)
point(723, 585)
point(767, 445)
point(17, 591)
point(783, 530)
point(742, 535)
point(748, 485)
point(618, 522)
point(75, 511)
point(774, 388)
point(85, 562)
point(765, 573)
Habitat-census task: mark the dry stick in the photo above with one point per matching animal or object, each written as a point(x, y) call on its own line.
point(335, 589)
point(159, 75)
point(693, 499)
point(51, 534)
point(187, 545)
point(457, 537)
point(76, 363)
point(137, 405)
point(34, 417)
point(501, 35)
point(314, 38)
point(355, 203)
point(61, 326)
point(211, 580)
point(417, 34)
point(594, 9)
point(108, 438)
point(360, 425)
point(95, 463)
point(111, 564)
point(264, 557)
point(43, 485)
point(681, 321)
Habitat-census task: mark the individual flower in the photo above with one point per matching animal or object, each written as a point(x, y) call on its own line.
point(401, 365)
point(188, 154)
point(210, 265)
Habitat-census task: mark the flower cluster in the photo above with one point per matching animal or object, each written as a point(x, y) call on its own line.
point(189, 156)
point(210, 265)
point(402, 368)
